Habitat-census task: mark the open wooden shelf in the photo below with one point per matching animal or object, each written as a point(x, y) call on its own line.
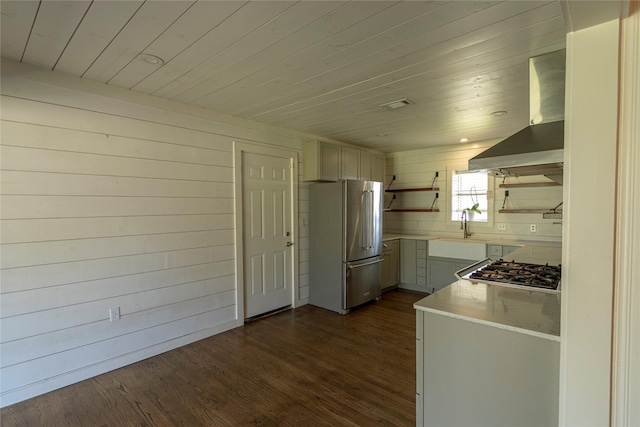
point(412, 210)
point(524, 211)
point(403, 190)
point(531, 184)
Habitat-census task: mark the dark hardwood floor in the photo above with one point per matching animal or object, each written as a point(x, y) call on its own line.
point(303, 367)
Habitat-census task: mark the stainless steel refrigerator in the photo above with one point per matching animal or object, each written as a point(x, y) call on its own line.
point(345, 243)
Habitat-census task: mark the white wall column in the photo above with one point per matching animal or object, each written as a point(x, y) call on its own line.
point(625, 410)
point(589, 229)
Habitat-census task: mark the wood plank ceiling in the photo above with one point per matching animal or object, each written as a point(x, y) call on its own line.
point(319, 67)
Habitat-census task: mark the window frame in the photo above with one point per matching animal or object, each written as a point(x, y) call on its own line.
point(489, 195)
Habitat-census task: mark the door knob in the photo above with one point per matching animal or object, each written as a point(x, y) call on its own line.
point(289, 243)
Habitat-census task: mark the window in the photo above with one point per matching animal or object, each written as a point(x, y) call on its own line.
point(467, 189)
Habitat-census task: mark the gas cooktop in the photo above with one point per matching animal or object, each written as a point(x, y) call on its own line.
point(516, 274)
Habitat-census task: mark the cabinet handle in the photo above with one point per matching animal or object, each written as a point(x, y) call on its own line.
point(365, 264)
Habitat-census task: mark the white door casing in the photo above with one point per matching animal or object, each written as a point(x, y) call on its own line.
point(266, 211)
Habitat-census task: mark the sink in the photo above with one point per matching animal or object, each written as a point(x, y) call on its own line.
point(460, 239)
point(458, 248)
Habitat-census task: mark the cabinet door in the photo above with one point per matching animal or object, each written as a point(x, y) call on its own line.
point(386, 269)
point(442, 271)
point(494, 251)
point(366, 165)
point(350, 163)
point(321, 161)
point(440, 274)
point(329, 162)
point(507, 249)
point(408, 270)
point(377, 173)
point(395, 261)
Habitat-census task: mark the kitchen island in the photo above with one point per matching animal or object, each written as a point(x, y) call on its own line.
point(488, 355)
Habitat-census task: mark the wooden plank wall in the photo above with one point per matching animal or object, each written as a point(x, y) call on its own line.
point(111, 203)
point(417, 168)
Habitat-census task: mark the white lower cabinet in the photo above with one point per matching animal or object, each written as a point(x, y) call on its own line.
point(413, 265)
point(390, 261)
point(500, 251)
point(473, 374)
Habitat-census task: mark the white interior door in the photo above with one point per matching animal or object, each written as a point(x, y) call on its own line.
point(267, 233)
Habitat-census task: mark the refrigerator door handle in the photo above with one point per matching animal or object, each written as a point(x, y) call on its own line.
point(367, 235)
point(365, 264)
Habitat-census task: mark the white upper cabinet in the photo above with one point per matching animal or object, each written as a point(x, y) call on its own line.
point(377, 173)
point(321, 161)
point(366, 165)
point(350, 163)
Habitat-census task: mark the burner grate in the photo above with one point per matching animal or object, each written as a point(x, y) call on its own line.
point(515, 273)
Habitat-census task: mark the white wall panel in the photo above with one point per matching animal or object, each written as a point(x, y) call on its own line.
point(112, 123)
point(39, 206)
point(41, 276)
point(25, 302)
point(111, 203)
point(59, 184)
point(37, 160)
point(34, 136)
point(58, 364)
point(24, 254)
point(414, 169)
point(37, 346)
point(35, 230)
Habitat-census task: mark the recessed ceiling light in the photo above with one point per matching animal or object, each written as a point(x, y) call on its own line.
point(464, 139)
point(394, 105)
point(151, 59)
point(498, 113)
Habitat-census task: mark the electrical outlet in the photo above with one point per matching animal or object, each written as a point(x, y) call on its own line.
point(114, 314)
point(502, 226)
point(533, 228)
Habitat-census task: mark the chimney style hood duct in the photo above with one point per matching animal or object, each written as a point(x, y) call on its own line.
point(537, 149)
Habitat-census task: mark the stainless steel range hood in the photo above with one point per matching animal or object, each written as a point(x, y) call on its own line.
point(537, 149)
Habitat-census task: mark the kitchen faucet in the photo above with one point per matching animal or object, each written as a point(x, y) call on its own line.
point(464, 225)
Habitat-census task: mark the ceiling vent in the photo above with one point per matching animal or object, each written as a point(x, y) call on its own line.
point(394, 105)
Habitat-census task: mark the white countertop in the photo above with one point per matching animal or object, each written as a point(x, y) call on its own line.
point(489, 241)
point(528, 311)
